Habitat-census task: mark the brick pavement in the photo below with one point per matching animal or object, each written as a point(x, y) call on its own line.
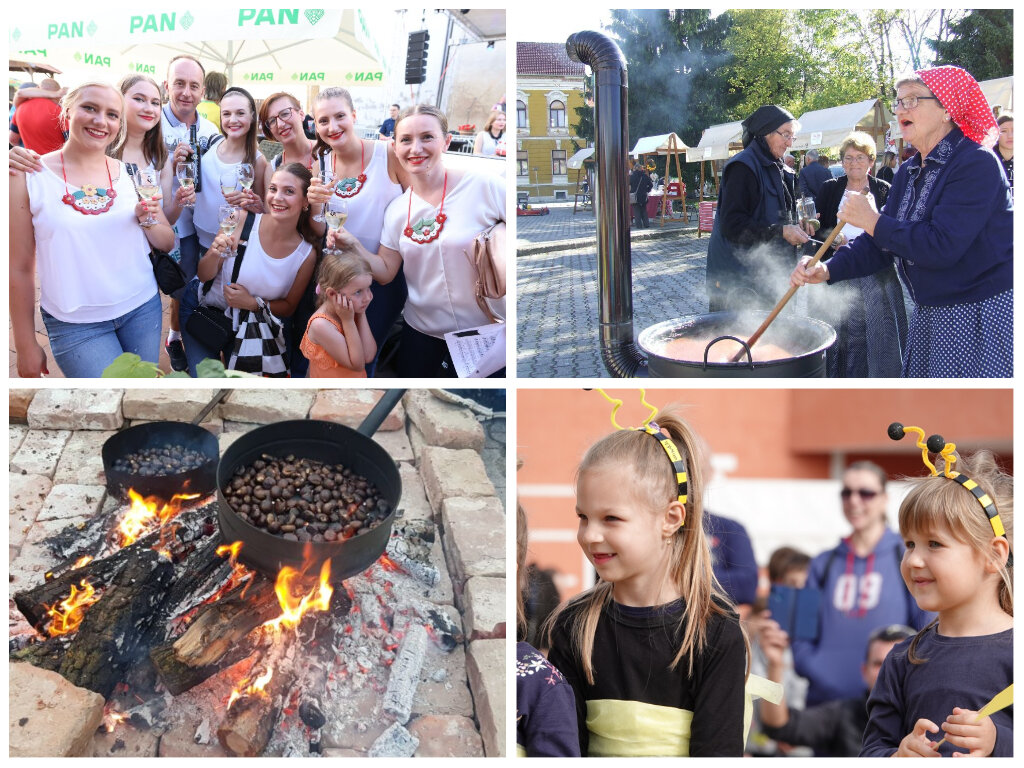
point(562, 224)
point(557, 298)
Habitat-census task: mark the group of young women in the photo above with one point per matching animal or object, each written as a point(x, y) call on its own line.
point(76, 214)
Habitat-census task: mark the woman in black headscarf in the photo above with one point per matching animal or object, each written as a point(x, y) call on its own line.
point(755, 234)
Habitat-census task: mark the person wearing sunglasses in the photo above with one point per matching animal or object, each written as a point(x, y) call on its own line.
point(948, 228)
point(755, 234)
point(861, 589)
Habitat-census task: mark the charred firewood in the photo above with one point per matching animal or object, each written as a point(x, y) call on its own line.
point(108, 639)
point(217, 638)
point(250, 719)
point(47, 655)
point(190, 526)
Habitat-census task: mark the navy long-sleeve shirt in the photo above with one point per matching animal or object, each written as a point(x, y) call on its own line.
point(733, 555)
point(961, 251)
point(963, 672)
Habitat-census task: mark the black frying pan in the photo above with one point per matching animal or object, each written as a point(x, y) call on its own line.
point(203, 479)
point(324, 441)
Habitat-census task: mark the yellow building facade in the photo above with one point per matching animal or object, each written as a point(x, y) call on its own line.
point(549, 89)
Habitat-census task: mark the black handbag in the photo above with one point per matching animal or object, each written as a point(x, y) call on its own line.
point(168, 273)
point(209, 325)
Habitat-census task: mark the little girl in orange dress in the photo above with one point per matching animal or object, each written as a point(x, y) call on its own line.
point(338, 342)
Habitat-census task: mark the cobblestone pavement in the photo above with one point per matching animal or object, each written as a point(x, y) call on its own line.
point(445, 457)
point(557, 299)
point(562, 224)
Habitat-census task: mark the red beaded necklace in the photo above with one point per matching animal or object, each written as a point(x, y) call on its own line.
point(350, 187)
point(89, 200)
point(427, 230)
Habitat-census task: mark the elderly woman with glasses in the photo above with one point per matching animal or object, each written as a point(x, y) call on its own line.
point(861, 589)
point(867, 312)
point(947, 226)
point(755, 232)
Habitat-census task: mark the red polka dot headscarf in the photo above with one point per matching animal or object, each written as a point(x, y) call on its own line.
point(961, 96)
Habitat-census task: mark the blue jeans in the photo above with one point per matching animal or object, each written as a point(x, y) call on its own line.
point(83, 350)
point(195, 350)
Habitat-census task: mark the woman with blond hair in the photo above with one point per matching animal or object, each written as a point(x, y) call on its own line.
point(80, 221)
point(868, 312)
point(491, 140)
point(429, 231)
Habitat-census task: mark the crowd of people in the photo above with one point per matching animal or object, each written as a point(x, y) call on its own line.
point(293, 266)
point(931, 238)
point(887, 644)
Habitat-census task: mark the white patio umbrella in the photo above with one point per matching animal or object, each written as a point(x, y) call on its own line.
point(261, 49)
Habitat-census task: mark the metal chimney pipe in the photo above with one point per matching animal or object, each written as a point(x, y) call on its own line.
point(611, 202)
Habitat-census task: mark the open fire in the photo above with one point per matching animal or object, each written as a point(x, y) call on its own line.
point(170, 609)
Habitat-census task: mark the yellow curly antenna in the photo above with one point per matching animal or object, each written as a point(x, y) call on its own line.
point(618, 404)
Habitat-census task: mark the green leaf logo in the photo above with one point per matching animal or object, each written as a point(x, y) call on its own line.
point(245, 76)
point(348, 75)
point(78, 57)
point(187, 20)
point(16, 34)
point(313, 15)
point(295, 76)
point(91, 29)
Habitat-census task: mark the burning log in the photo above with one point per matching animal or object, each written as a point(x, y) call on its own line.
point(405, 674)
point(107, 641)
point(217, 638)
point(46, 655)
point(418, 569)
point(34, 603)
point(250, 718)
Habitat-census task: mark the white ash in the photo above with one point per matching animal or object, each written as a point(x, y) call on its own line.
point(396, 741)
point(405, 674)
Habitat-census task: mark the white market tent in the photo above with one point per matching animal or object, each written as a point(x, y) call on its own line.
point(828, 127)
point(716, 143)
point(576, 161)
point(999, 91)
point(666, 144)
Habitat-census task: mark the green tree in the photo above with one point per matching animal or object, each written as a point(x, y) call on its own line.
point(675, 59)
point(981, 42)
point(802, 60)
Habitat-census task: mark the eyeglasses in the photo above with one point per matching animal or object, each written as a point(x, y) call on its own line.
point(910, 102)
point(866, 494)
point(851, 160)
point(283, 115)
point(786, 136)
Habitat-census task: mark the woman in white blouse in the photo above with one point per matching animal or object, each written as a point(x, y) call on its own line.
point(430, 230)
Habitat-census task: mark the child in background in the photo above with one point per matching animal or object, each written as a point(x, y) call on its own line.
point(545, 720)
point(958, 562)
point(654, 652)
point(338, 342)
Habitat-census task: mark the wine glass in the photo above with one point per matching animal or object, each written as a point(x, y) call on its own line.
point(246, 175)
point(324, 180)
point(186, 173)
point(228, 218)
point(335, 213)
point(148, 182)
point(228, 181)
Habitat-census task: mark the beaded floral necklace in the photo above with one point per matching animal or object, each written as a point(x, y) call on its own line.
point(351, 186)
point(427, 230)
point(90, 200)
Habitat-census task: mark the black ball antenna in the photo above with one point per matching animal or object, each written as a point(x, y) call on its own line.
point(896, 431)
point(936, 443)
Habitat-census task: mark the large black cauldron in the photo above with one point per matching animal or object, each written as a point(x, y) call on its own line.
point(805, 338)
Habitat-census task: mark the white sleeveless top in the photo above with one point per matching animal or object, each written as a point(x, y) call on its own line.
point(92, 268)
point(206, 214)
point(366, 210)
point(261, 274)
point(441, 279)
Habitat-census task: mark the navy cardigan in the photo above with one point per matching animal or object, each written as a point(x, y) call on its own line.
point(962, 250)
